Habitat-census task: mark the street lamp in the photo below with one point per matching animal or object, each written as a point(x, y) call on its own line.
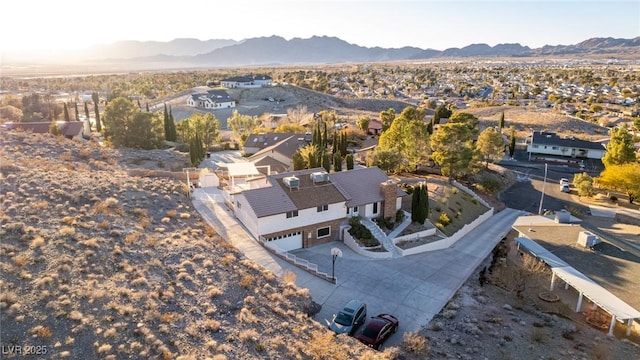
point(544, 182)
point(335, 254)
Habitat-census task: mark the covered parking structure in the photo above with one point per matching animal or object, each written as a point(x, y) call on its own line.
point(618, 309)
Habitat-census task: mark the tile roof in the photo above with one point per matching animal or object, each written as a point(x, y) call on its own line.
point(278, 198)
point(286, 147)
point(362, 185)
point(546, 138)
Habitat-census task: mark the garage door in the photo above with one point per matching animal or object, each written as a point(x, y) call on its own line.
point(286, 242)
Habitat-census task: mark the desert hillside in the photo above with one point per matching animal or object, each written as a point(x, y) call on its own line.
point(98, 264)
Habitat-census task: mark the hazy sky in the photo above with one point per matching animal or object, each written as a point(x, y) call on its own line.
point(66, 24)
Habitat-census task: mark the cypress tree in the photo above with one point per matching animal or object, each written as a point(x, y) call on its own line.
point(66, 113)
point(172, 126)
point(337, 162)
point(75, 105)
point(96, 102)
point(512, 143)
point(419, 204)
point(167, 131)
point(349, 160)
point(501, 121)
point(146, 106)
point(343, 144)
point(334, 147)
point(86, 110)
point(326, 161)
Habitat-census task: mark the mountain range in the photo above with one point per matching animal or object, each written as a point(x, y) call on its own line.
point(275, 50)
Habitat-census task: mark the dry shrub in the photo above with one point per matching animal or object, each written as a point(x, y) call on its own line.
point(132, 237)
point(323, 345)
point(105, 348)
point(69, 220)
point(249, 335)
point(107, 207)
point(67, 231)
point(289, 277)
point(228, 259)
point(213, 291)
point(415, 343)
point(41, 205)
point(245, 315)
point(539, 335)
point(42, 332)
point(185, 215)
point(247, 281)
point(66, 156)
point(85, 152)
point(211, 324)
point(75, 315)
point(172, 213)
point(21, 259)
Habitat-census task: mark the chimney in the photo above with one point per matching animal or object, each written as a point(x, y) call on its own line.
point(388, 190)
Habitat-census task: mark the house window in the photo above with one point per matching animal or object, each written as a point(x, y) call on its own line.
point(291, 214)
point(323, 232)
point(323, 208)
point(375, 208)
point(554, 148)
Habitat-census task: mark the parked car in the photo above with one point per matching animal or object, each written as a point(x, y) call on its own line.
point(565, 188)
point(564, 181)
point(378, 329)
point(347, 320)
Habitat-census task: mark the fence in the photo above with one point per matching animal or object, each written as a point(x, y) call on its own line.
point(468, 191)
point(292, 259)
point(447, 242)
point(415, 236)
point(353, 245)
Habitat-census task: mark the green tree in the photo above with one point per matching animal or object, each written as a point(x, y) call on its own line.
point(386, 118)
point(624, 177)
point(349, 161)
point(125, 125)
point(326, 160)
point(291, 128)
point(469, 120)
point(620, 149)
point(55, 129)
point(75, 106)
point(584, 183)
point(636, 127)
point(363, 123)
point(501, 121)
point(297, 161)
point(86, 110)
point(490, 145)
point(205, 126)
point(512, 142)
point(337, 162)
point(242, 125)
point(96, 104)
point(66, 113)
point(170, 133)
point(410, 139)
point(196, 150)
point(312, 156)
point(172, 124)
point(419, 204)
point(453, 149)
point(442, 112)
point(387, 160)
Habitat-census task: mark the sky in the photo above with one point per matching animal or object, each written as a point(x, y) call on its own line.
point(74, 24)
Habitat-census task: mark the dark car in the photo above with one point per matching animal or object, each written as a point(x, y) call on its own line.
point(378, 329)
point(347, 320)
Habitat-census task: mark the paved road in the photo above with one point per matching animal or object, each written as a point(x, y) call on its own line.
point(414, 288)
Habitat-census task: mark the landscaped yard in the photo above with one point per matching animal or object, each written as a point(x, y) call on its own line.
point(449, 207)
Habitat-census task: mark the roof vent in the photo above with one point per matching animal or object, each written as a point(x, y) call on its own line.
point(563, 217)
point(291, 182)
point(319, 177)
point(587, 239)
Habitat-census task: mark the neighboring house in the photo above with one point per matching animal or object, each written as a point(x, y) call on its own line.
point(278, 156)
point(552, 144)
point(309, 207)
point(257, 142)
point(71, 129)
point(598, 271)
point(248, 81)
point(212, 99)
point(274, 120)
point(374, 127)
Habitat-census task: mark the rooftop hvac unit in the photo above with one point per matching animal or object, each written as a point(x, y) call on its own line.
point(587, 239)
point(319, 177)
point(563, 217)
point(292, 182)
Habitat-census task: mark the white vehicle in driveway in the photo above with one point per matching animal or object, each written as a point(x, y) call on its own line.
point(564, 181)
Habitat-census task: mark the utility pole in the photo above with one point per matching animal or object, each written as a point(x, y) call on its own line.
point(544, 182)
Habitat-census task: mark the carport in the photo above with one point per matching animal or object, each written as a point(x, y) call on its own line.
point(618, 309)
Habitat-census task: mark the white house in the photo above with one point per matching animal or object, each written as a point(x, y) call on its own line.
point(213, 99)
point(551, 144)
point(248, 81)
point(304, 208)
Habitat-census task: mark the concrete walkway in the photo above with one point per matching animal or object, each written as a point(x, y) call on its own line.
point(414, 288)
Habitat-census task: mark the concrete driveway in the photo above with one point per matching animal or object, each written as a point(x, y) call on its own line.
point(413, 288)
